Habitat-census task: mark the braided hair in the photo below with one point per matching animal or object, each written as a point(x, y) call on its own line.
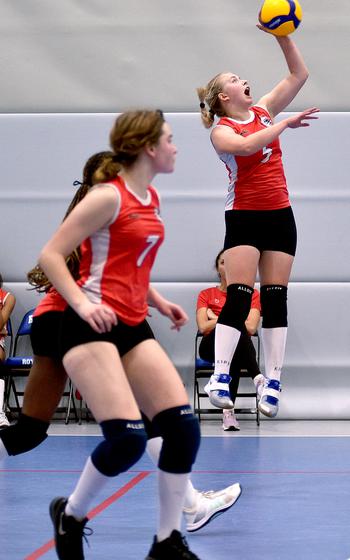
point(36, 276)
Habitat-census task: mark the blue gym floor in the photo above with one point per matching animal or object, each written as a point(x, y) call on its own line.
point(295, 503)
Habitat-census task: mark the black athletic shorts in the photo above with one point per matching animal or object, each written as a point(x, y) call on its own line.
point(76, 331)
point(45, 334)
point(267, 230)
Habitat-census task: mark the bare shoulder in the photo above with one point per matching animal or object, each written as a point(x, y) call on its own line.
point(221, 131)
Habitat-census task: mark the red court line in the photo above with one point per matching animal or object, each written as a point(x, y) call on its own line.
point(67, 471)
point(273, 472)
point(96, 511)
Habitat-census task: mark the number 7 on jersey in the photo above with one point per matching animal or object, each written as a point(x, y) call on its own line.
point(151, 241)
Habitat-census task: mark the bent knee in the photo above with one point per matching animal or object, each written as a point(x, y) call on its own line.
point(180, 431)
point(23, 436)
point(124, 444)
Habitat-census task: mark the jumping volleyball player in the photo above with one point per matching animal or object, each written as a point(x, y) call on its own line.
point(260, 227)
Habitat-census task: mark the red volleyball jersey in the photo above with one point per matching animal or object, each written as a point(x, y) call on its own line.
point(3, 296)
point(52, 301)
point(214, 299)
point(116, 261)
point(256, 182)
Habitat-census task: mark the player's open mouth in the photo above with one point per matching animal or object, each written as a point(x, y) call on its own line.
point(247, 91)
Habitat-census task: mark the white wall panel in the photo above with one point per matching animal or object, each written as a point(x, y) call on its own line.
point(315, 377)
point(41, 155)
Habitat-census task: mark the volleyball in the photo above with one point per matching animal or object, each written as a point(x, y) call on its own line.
point(280, 17)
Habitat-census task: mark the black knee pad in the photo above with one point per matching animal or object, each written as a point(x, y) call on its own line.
point(180, 431)
point(26, 434)
point(273, 300)
point(237, 306)
point(124, 444)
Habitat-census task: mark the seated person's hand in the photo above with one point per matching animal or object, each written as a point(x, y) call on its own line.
point(211, 314)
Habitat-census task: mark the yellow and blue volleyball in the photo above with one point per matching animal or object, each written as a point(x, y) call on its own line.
point(280, 17)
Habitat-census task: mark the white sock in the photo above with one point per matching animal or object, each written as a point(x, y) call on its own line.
point(89, 484)
point(226, 340)
point(153, 448)
point(274, 344)
point(3, 451)
point(2, 390)
point(172, 488)
point(190, 495)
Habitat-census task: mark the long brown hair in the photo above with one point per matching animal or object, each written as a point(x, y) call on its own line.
point(36, 276)
point(131, 132)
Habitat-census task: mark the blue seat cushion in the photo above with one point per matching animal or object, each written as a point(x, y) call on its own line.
point(203, 364)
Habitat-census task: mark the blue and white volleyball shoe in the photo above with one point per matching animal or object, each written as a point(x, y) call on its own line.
point(209, 505)
point(218, 390)
point(269, 402)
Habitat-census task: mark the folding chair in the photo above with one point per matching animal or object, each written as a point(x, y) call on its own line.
point(9, 337)
point(71, 405)
point(20, 360)
point(203, 370)
point(88, 415)
point(19, 363)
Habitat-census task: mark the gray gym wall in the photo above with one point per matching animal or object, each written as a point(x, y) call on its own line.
point(107, 55)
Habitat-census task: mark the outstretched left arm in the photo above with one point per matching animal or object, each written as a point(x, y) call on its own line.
point(283, 93)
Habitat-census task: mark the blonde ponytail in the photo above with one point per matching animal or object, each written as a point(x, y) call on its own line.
point(207, 116)
point(209, 97)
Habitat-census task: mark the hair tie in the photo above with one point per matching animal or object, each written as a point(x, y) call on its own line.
point(76, 183)
point(202, 105)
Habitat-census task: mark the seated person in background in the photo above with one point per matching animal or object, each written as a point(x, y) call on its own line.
point(209, 304)
point(7, 303)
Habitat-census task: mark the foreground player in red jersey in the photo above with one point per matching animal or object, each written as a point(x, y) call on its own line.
point(47, 377)
point(260, 227)
point(119, 230)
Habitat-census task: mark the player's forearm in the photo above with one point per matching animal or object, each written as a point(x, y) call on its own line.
point(294, 59)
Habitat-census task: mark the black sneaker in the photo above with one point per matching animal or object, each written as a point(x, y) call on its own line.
point(69, 532)
point(174, 547)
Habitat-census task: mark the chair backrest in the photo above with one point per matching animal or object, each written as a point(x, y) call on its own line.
point(24, 331)
point(26, 323)
point(9, 337)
